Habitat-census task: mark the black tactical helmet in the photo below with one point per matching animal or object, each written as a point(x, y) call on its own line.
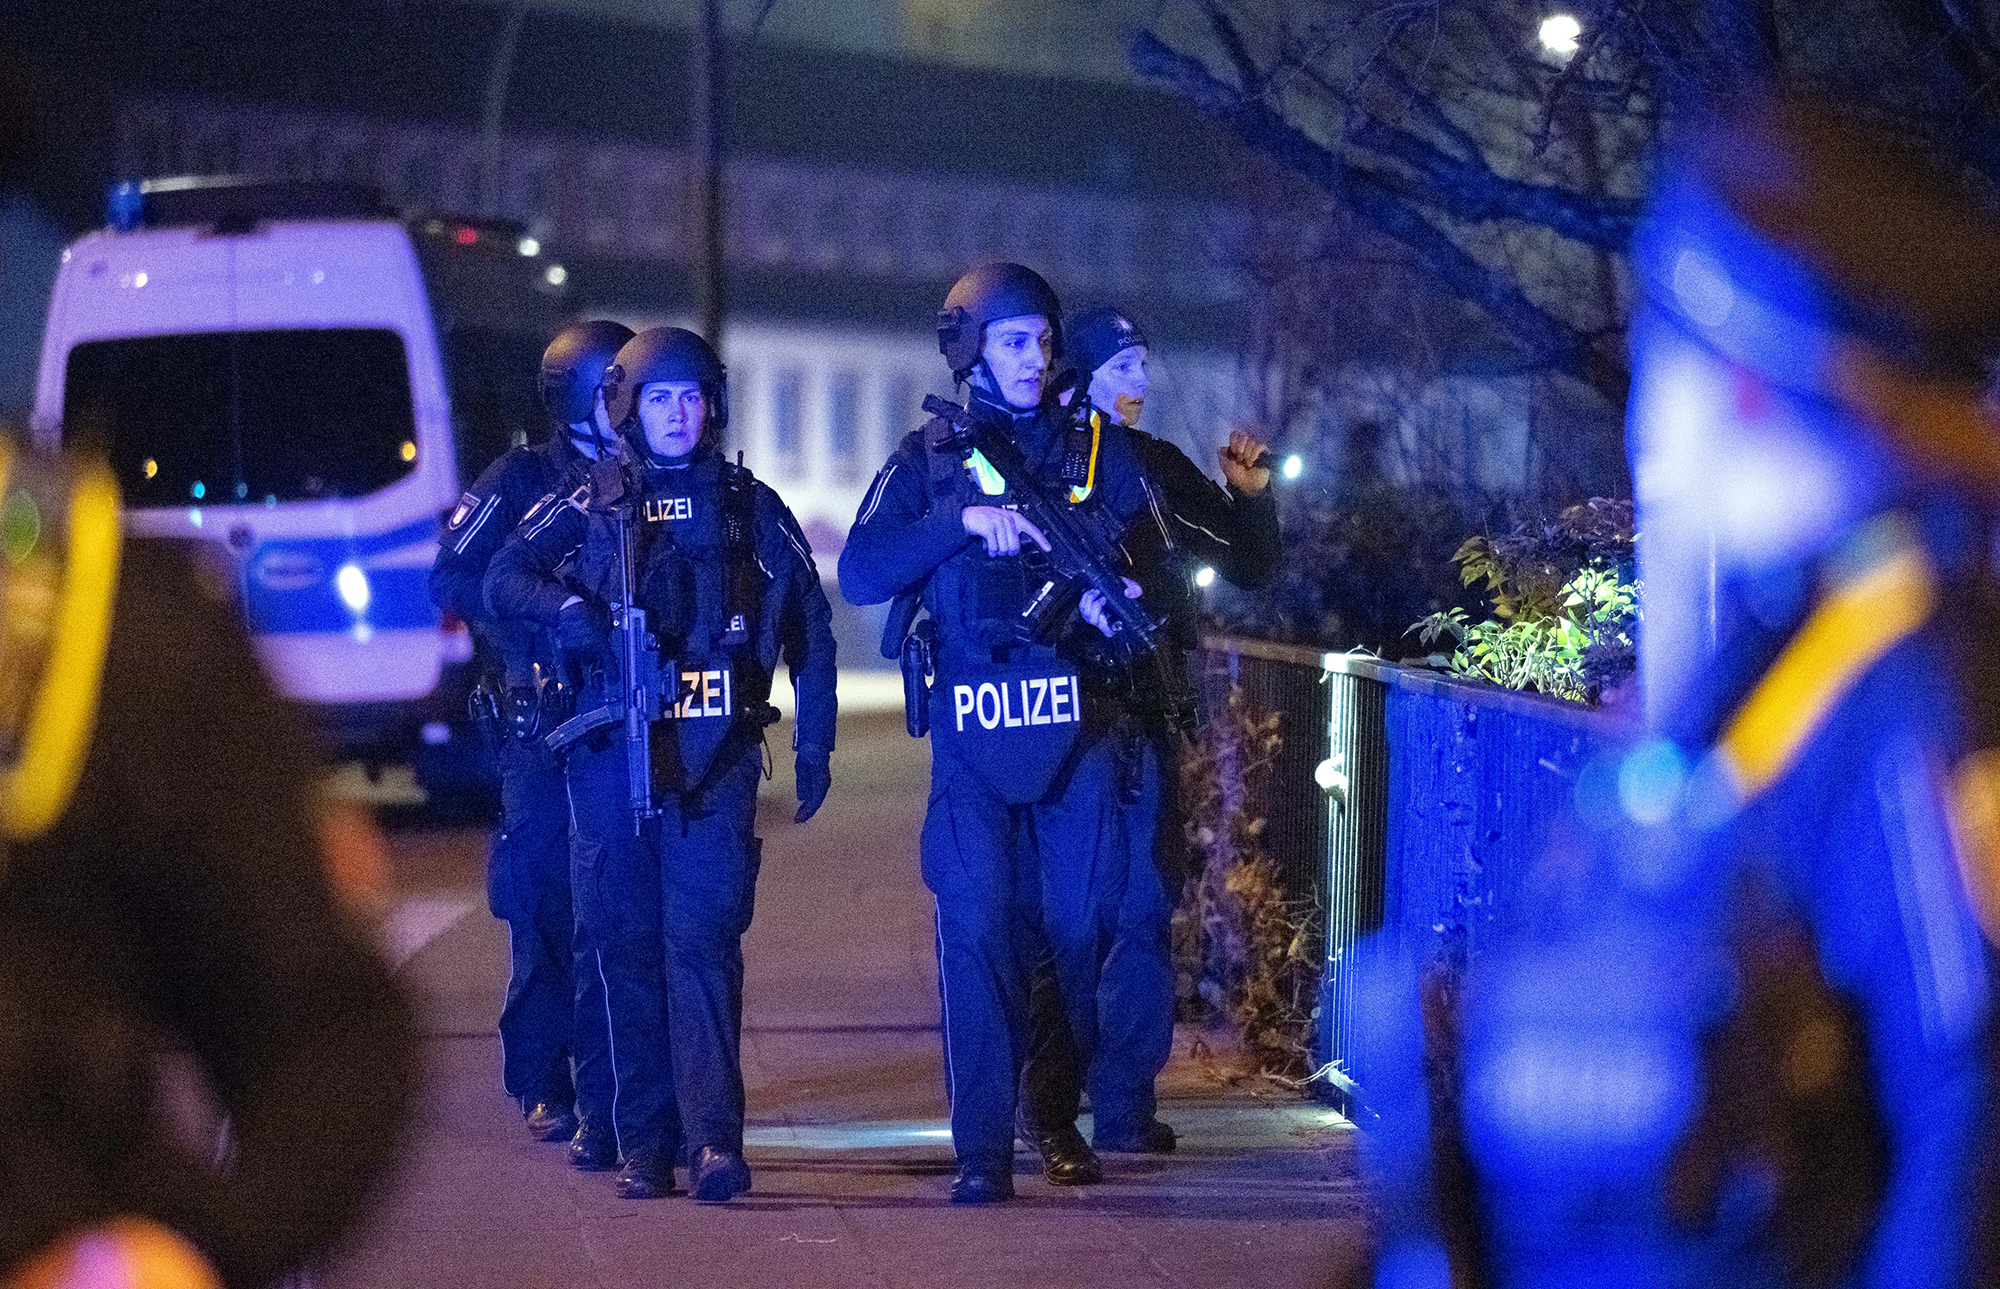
point(665, 353)
point(573, 367)
point(987, 294)
point(1096, 336)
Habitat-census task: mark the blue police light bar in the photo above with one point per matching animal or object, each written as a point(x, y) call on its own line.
point(125, 207)
point(235, 202)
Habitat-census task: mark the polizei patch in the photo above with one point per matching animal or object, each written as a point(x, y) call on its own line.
point(667, 510)
point(705, 693)
point(1016, 702)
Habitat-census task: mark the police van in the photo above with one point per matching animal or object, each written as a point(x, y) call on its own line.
point(300, 380)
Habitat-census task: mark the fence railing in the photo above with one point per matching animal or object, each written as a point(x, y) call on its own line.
point(1402, 798)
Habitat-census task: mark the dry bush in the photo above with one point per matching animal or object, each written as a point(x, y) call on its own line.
point(1242, 950)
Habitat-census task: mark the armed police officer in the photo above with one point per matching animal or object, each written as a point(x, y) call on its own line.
point(1742, 1038)
point(710, 583)
point(1024, 841)
point(545, 1023)
point(1190, 523)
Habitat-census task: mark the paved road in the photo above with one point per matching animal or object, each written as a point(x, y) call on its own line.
point(847, 1133)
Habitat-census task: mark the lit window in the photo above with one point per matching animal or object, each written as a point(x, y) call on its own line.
point(787, 419)
point(843, 424)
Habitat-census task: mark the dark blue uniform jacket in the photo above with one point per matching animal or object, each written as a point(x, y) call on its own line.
point(474, 532)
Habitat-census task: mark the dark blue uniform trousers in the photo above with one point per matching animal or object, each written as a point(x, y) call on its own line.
point(662, 918)
point(1134, 997)
point(544, 1023)
point(1015, 884)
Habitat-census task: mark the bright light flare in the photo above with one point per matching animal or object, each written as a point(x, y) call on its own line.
point(529, 247)
point(1205, 578)
point(1560, 33)
point(557, 275)
point(1294, 467)
point(352, 585)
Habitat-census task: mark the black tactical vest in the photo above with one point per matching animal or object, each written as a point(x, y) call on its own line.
point(704, 588)
point(1008, 709)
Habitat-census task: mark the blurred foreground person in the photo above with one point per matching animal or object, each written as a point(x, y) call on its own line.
point(1190, 523)
point(553, 1015)
point(165, 897)
point(1737, 1036)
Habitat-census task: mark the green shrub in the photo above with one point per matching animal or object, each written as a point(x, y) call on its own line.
point(1565, 606)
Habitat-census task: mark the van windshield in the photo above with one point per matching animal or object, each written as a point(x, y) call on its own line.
point(245, 417)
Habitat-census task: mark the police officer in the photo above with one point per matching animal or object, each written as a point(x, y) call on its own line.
point(1190, 523)
point(1025, 838)
point(552, 1016)
point(728, 584)
point(1739, 1037)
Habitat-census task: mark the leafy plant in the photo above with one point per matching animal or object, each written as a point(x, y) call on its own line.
point(1565, 607)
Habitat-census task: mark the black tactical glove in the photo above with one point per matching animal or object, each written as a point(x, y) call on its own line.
point(815, 775)
point(582, 627)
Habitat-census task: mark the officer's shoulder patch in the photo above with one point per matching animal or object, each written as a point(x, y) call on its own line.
point(467, 503)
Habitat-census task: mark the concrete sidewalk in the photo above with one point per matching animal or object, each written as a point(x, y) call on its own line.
point(847, 1138)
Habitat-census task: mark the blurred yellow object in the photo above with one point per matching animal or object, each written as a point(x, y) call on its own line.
point(125, 1254)
point(60, 650)
point(1845, 636)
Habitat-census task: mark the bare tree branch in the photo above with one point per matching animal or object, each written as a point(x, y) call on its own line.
point(1231, 40)
point(1470, 190)
point(1373, 200)
point(1427, 108)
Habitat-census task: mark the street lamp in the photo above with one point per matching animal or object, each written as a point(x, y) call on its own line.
point(1559, 35)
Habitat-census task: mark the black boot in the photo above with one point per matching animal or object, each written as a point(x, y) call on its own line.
point(1067, 1160)
point(1153, 1138)
point(983, 1183)
point(716, 1176)
point(548, 1120)
point(647, 1174)
point(594, 1148)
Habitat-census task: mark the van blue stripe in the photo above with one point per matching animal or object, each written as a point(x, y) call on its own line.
point(288, 585)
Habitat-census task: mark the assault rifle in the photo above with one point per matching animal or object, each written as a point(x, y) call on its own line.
point(643, 695)
point(1084, 555)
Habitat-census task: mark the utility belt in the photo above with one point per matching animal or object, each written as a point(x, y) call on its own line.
point(519, 714)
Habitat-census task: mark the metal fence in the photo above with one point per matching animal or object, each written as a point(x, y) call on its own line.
point(1400, 799)
point(1326, 812)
